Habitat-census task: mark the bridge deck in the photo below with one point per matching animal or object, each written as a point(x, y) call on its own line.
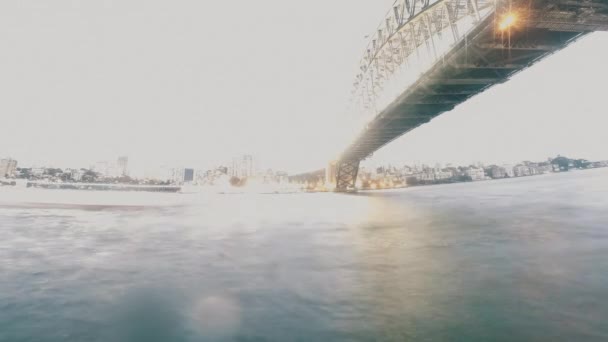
point(469, 71)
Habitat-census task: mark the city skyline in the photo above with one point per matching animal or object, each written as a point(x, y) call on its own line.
point(285, 105)
point(246, 166)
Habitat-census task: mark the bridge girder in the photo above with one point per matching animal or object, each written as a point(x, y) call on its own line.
point(461, 53)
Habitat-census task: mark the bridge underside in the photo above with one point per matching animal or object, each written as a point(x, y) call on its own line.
point(484, 59)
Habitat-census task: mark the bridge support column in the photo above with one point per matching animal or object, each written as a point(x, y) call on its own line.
point(346, 175)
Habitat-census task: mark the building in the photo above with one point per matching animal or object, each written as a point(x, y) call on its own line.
point(545, 167)
point(521, 170)
point(202, 176)
point(509, 173)
point(188, 175)
point(176, 175)
point(112, 169)
point(7, 167)
point(243, 166)
point(181, 175)
point(37, 171)
point(475, 173)
point(426, 176)
point(123, 166)
point(443, 174)
point(406, 170)
point(497, 172)
point(74, 174)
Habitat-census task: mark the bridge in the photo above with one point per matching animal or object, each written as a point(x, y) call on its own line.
point(428, 56)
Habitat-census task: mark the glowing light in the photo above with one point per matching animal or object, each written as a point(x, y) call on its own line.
point(508, 21)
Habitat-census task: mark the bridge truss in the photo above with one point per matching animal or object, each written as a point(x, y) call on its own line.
point(427, 56)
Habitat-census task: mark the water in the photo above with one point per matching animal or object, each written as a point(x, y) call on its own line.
point(519, 259)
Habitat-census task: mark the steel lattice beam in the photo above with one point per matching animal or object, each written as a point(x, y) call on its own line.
point(347, 175)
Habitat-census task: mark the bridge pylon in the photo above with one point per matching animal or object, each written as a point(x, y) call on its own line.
point(346, 175)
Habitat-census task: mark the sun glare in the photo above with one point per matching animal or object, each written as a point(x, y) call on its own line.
point(508, 21)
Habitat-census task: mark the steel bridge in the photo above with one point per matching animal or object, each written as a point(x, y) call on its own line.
point(428, 56)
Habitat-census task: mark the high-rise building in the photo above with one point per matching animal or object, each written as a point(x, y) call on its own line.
point(181, 175)
point(243, 166)
point(7, 167)
point(188, 175)
point(176, 175)
point(123, 166)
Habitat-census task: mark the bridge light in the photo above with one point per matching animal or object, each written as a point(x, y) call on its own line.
point(508, 21)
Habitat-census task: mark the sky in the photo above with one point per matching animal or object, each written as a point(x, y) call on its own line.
point(189, 83)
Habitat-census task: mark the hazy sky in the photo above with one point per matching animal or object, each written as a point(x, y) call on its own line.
point(193, 83)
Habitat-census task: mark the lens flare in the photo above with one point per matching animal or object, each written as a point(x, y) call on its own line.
point(508, 21)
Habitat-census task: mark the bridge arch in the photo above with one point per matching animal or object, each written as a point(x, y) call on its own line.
point(427, 56)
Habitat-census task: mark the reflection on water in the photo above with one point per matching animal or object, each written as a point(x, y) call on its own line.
point(520, 259)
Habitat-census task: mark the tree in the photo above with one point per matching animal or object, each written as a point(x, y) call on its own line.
point(562, 162)
point(235, 181)
point(581, 163)
point(24, 173)
point(89, 176)
point(53, 171)
point(65, 177)
point(464, 178)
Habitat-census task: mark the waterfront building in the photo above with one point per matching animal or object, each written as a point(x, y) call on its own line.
point(497, 172)
point(521, 170)
point(74, 174)
point(443, 174)
point(475, 173)
point(425, 176)
point(37, 171)
point(544, 167)
point(7, 167)
point(454, 171)
point(509, 170)
point(406, 170)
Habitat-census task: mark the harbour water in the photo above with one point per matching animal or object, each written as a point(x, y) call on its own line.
point(513, 260)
